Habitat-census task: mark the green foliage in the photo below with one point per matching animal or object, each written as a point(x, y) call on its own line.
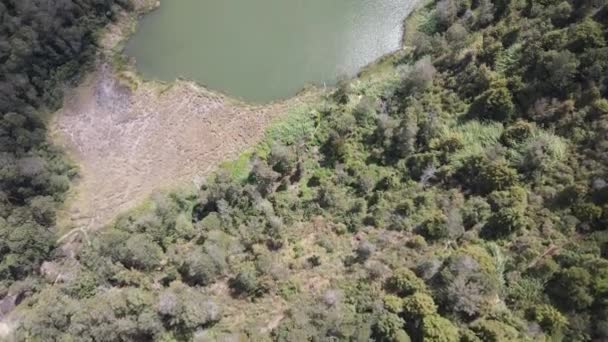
point(404, 282)
point(569, 288)
point(141, 252)
point(479, 158)
point(517, 133)
point(393, 303)
point(247, 283)
point(438, 329)
point(469, 282)
point(390, 328)
point(419, 305)
point(484, 176)
point(496, 103)
point(435, 227)
point(198, 268)
point(587, 34)
point(549, 318)
point(494, 331)
point(42, 46)
point(186, 309)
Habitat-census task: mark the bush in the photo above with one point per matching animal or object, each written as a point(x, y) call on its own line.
point(517, 133)
point(549, 318)
point(435, 227)
point(246, 283)
point(198, 268)
point(438, 329)
point(186, 309)
point(475, 212)
point(505, 222)
point(569, 288)
point(390, 328)
point(419, 305)
point(494, 331)
point(469, 282)
point(496, 103)
point(393, 303)
point(484, 176)
point(141, 252)
point(586, 34)
point(560, 69)
point(404, 282)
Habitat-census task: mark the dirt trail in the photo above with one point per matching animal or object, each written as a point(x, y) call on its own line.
point(129, 143)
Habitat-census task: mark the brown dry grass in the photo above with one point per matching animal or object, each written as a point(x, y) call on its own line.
point(132, 140)
point(131, 137)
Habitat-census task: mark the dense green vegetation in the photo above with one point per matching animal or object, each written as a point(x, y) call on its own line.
point(42, 45)
point(459, 194)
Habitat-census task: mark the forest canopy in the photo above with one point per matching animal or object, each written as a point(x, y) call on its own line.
point(455, 191)
point(43, 44)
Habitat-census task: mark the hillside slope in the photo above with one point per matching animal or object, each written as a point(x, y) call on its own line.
point(457, 192)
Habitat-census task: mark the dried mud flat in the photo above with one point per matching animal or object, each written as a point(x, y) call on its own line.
point(129, 143)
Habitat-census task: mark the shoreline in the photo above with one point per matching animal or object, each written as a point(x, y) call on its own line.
point(94, 200)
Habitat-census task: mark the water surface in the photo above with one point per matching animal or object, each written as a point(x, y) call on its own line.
point(263, 50)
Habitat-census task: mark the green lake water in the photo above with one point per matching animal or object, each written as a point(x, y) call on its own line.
point(263, 50)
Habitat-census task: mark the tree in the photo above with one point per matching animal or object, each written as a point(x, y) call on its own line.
point(404, 282)
point(494, 330)
point(569, 288)
point(486, 13)
point(496, 103)
point(198, 268)
point(586, 34)
point(549, 318)
point(141, 252)
point(438, 329)
point(389, 328)
point(484, 176)
point(560, 69)
point(469, 282)
point(419, 305)
point(246, 283)
point(184, 309)
point(457, 35)
point(446, 12)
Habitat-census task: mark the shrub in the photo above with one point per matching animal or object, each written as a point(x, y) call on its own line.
point(390, 328)
point(476, 211)
point(496, 103)
point(246, 283)
point(494, 331)
point(505, 221)
point(560, 69)
point(569, 288)
point(438, 329)
point(141, 252)
point(586, 34)
point(484, 176)
point(549, 318)
point(199, 268)
point(404, 282)
point(393, 303)
point(469, 282)
point(435, 227)
point(419, 305)
point(416, 242)
point(186, 309)
point(587, 212)
point(517, 133)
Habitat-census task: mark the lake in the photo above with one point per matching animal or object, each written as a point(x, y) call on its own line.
point(264, 50)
